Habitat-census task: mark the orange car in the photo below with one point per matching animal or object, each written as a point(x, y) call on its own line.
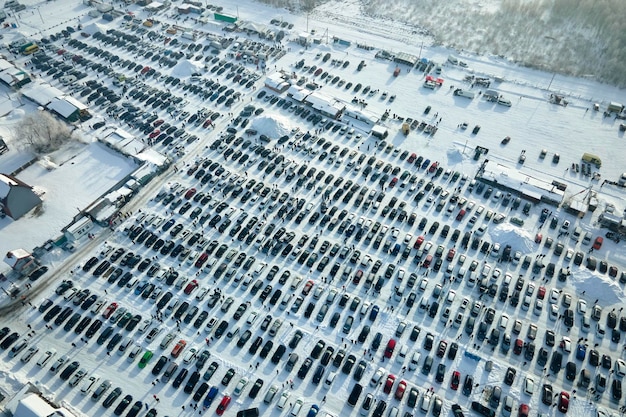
point(178, 349)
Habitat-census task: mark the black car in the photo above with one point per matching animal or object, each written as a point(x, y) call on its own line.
point(67, 372)
point(123, 405)
point(110, 399)
point(258, 384)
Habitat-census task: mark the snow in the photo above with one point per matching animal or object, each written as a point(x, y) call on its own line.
point(509, 234)
point(80, 174)
point(596, 286)
point(98, 169)
point(272, 126)
point(185, 68)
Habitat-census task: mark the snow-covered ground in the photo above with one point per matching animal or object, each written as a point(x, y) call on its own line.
point(531, 122)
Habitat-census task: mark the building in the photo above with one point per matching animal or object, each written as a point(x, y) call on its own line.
point(13, 76)
point(16, 197)
point(406, 59)
point(275, 82)
point(68, 108)
point(328, 106)
point(525, 184)
point(20, 260)
point(79, 229)
point(34, 405)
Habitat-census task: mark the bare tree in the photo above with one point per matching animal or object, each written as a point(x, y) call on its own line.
point(41, 132)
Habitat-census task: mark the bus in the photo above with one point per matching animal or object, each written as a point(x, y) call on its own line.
point(30, 50)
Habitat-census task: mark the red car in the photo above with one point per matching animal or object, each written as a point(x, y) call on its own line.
point(597, 244)
point(454, 382)
point(391, 345)
point(201, 260)
point(517, 347)
point(460, 215)
point(154, 133)
point(180, 346)
point(307, 287)
point(223, 405)
point(451, 254)
point(357, 277)
point(563, 402)
point(191, 286)
point(144, 70)
point(418, 242)
point(433, 167)
point(538, 238)
point(412, 158)
point(541, 293)
point(523, 410)
point(109, 310)
point(400, 390)
point(158, 122)
point(389, 383)
point(190, 193)
point(393, 182)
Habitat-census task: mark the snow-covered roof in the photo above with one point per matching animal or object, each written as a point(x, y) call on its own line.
point(42, 94)
point(298, 93)
point(5, 185)
point(325, 104)
point(76, 103)
point(253, 27)
point(152, 156)
point(32, 405)
point(276, 81)
point(61, 106)
point(522, 181)
point(4, 64)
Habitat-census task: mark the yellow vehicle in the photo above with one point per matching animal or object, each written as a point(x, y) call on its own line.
point(592, 159)
point(30, 50)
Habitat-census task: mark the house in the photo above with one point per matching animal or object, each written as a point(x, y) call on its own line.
point(68, 108)
point(19, 260)
point(16, 197)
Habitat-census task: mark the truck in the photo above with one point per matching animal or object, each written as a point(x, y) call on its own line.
point(592, 159)
point(464, 93)
point(615, 107)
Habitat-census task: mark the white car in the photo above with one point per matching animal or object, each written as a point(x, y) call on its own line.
point(89, 384)
point(252, 318)
point(554, 295)
point(190, 355)
point(401, 273)
point(45, 358)
point(529, 386)
point(282, 401)
point(378, 375)
point(582, 306)
point(241, 385)
point(297, 406)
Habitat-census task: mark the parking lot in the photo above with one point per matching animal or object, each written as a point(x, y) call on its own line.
point(296, 263)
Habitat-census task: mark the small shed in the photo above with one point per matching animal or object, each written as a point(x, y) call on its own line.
point(79, 229)
point(379, 131)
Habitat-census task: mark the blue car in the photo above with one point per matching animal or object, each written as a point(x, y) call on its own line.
point(313, 411)
point(374, 312)
point(210, 397)
point(581, 352)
